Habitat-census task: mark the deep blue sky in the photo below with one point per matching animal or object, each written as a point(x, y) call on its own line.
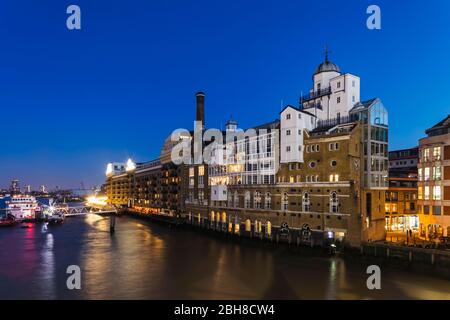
point(71, 101)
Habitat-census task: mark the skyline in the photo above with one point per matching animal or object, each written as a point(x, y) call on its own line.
point(75, 100)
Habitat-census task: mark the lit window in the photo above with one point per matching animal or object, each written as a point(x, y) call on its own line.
point(336, 177)
point(427, 193)
point(426, 155)
point(291, 179)
point(420, 193)
point(427, 174)
point(437, 193)
point(420, 174)
point(331, 178)
point(191, 172)
point(437, 173)
point(201, 170)
point(437, 153)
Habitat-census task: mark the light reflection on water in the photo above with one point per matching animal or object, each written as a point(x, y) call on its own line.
point(145, 261)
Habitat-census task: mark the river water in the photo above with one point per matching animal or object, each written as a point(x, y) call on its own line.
point(142, 260)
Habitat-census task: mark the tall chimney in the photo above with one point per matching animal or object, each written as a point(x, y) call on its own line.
point(200, 115)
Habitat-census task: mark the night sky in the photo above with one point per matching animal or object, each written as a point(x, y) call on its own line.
point(71, 101)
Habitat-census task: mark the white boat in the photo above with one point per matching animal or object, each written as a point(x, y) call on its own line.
point(22, 207)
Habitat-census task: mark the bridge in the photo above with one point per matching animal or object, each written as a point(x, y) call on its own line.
point(82, 210)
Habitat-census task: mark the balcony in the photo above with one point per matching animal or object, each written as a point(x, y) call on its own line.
point(316, 94)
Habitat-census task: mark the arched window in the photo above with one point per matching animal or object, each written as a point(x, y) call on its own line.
point(284, 202)
point(334, 202)
point(268, 201)
point(212, 216)
point(224, 217)
point(306, 202)
point(236, 199)
point(268, 228)
point(247, 201)
point(248, 225)
point(258, 226)
point(257, 200)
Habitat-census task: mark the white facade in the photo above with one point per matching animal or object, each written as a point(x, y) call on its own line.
point(333, 95)
point(219, 192)
point(293, 123)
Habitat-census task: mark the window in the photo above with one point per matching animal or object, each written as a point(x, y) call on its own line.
point(299, 115)
point(334, 178)
point(437, 153)
point(436, 210)
point(247, 199)
point(201, 171)
point(333, 163)
point(291, 179)
point(338, 84)
point(437, 175)
point(268, 201)
point(427, 174)
point(353, 83)
point(306, 203)
point(317, 148)
point(312, 164)
point(308, 148)
point(191, 172)
point(420, 193)
point(313, 148)
point(437, 193)
point(284, 202)
point(420, 174)
point(427, 193)
point(426, 155)
point(338, 100)
point(334, 202)
point(257, 200)
point(236, 199)
point(288, 149)
point(333, 146)
point(353, 99)
point(288, 132)
point(299, 132)
point(288, 116)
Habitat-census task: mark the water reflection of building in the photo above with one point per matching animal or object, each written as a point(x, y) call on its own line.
point(434, 181)
point(400, 206)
